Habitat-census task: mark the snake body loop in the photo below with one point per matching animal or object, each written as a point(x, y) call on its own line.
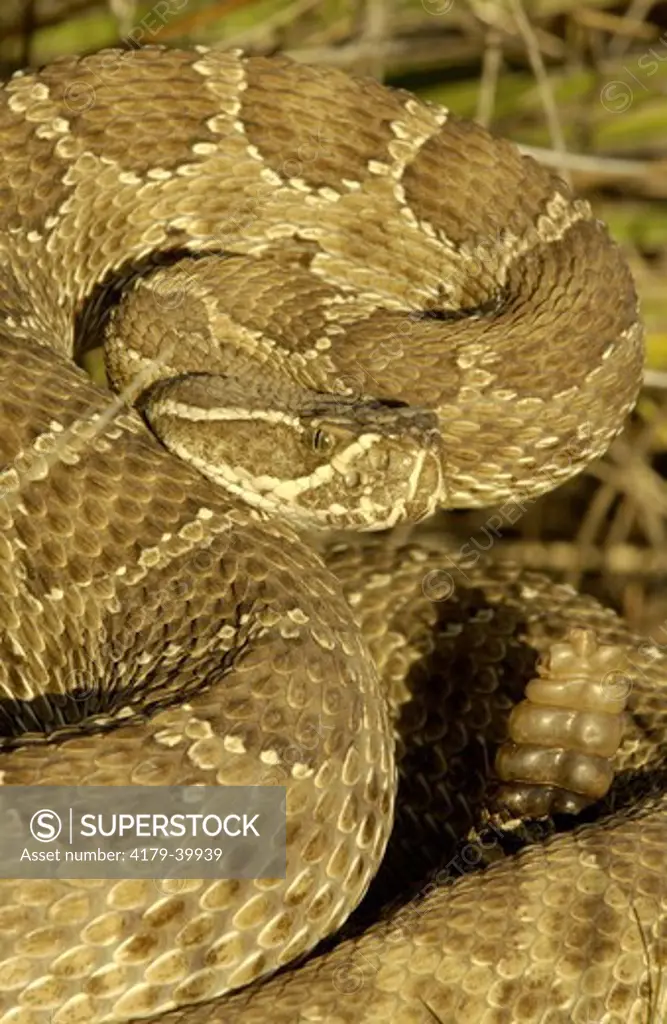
point(346, 307)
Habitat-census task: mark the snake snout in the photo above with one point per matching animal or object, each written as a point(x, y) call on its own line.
point(390, 480)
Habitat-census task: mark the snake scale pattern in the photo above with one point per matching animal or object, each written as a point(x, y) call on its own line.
point(408, 315)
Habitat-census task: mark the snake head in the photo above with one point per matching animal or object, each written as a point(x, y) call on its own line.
point(322, 461)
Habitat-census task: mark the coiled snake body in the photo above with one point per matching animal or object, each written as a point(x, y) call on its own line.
point(408, 314)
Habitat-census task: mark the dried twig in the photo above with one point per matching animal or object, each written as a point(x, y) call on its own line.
point(544, 85)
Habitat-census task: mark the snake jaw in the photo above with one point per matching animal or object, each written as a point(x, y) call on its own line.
point(332, 496)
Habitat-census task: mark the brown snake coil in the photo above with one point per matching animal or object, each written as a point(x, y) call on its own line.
point(405, 293)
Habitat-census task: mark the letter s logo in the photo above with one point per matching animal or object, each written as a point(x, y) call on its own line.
point(45, 825)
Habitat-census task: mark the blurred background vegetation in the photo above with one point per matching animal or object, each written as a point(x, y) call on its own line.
point(582, 84)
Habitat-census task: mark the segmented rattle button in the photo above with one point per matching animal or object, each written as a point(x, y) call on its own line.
point(564, 735)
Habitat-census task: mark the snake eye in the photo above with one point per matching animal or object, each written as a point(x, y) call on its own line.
point(322, 441)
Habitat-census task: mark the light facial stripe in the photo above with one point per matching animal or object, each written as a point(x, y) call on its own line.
point(416, 473)
point(225, 477)
point(218, 414)
point(287, 490)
